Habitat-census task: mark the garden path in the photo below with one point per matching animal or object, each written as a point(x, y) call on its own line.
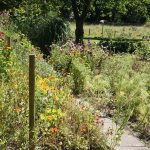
point(128, 141)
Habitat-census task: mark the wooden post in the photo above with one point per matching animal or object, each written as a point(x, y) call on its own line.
point(102, 29)
point(89, 32)
point(31, 100)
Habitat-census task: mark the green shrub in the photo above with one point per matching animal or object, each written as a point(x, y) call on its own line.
point(120, 45)
point(5, 51)
point(143, 51)
point(129, 90)
point(48, 31)
point(81, 75)
point(75, 68)
point(121, 91)
point(40, 29)
point(60, 59)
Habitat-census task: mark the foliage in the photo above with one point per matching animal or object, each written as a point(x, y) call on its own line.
point(118, 12)
point(42, 28)
point(144, 51)
point(71, 63)
point(9, 4)
point(122, 11)
point(129, 86)
point(5, 51)
point(80, 74)
point(122, 45)
point(60, 122)
point(48, 31)
point(117, 84)
point(138, 12)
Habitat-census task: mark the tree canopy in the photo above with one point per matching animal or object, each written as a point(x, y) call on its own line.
point(115, 11)
point(5, 4)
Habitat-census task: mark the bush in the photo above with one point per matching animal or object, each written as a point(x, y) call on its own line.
point(77, 63)
point(115, 84)
point(48, 31)
point(5, 51)
point(80, 74)
point(123, 84)
point(40, 29)
point(120, 45)
point(136, 12)
point(143, 51)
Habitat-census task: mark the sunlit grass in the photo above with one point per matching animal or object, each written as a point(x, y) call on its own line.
point(114, 31)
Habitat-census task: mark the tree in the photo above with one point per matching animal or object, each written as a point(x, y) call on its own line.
point(119, 11)
point(5, 4)
point(80, 9)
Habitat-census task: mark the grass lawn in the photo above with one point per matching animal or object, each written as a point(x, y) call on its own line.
point(114, 31)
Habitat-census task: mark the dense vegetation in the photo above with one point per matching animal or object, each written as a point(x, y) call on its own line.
point(60, 122)
point(120, 12)
point(32, 12)
point(77, 81)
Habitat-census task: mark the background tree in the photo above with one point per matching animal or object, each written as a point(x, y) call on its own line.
point(7, 4)
point(41, 23)
point(115, 11)
point(120, 11)
point(80, 9)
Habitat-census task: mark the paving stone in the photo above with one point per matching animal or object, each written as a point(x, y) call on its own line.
point(132, 148)
point(128, 141)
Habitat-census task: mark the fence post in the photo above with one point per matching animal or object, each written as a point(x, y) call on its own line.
point(102, 30)
point(31, 100)
point(89, 32)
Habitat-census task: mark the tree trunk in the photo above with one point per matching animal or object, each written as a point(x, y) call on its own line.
point(79, 32)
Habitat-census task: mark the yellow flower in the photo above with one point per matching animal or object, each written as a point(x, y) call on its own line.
point(56, 98)
point(8, 48)
point(122, 93)
point(54, 130)
point(77, 53)
point(44, 86)
point(49, 118)
point(17, 109)
point(48, 110)
point(50, 88)
point(42, 116)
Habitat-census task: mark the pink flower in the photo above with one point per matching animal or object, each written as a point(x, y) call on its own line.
point(6, 45)
point(1, 38)
point(1, 33)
